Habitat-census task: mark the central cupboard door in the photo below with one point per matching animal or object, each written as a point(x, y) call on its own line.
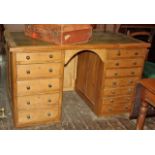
point(89, 75)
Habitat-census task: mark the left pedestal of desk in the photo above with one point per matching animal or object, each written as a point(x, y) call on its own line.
point(36, 86)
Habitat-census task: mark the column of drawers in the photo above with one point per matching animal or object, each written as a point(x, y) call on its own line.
point(39, 78)
point(123, 69)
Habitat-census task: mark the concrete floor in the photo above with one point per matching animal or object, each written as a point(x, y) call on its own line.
point(76, 115)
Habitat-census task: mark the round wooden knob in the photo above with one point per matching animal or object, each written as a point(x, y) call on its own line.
point(28, 103)
point(114, 83)
point(50, 70)
point(50, 86)
point(136, 53)
point(28, 57)
point(111, 100)
point(135, 63)
point(112, 92)
point(132, 73)
point(129, 90)
point(49, 100)
point(116, 74)
point(118, 53)
point(28, 87)
point(28, 117)
point(28, 72)
point(130, 81)
point(117, 64)
point(50, 56)
point(49, 114)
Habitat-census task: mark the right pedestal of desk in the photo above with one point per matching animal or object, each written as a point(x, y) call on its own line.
point(109, 87)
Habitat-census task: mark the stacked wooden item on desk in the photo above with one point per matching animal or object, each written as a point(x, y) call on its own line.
point(60, 33)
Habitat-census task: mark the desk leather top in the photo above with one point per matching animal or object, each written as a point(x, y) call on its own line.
point(99, 39)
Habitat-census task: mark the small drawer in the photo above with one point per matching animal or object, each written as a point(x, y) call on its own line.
point(38, 57)
point(39, 70)
point(126, 53)
point(118, 91)
point(37, 116)
point(123, 72)
point(117, 100)
point(32, 87)
point(120, 82)
point(109, 110)
point(37, 101)
point(125, 63)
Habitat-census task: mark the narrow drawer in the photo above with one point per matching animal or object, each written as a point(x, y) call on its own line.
point(117, 100)
point(37, 101)
point(110, 110)
point(118, 91)
point(125, 63)
point(37, 116)
point(39, 70)
point(120, 82)
point(31, 87)
point(126, 53)
point(123, 72)
point(38, 57)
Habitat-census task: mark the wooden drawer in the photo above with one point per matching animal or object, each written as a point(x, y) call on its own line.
point(31, 87)
point(116, 109)
point(37, 116)
point(37, 101)
point(126, 53)
point(123, 72)
point(118, 91)
point(38, 57)
point(117, 100)
point(127, 63)
point(120, 82)
point(39, 70)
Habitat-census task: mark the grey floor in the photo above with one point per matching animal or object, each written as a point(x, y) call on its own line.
point(76, 115)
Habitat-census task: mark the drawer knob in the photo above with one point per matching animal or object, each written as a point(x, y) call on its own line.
point(118, 53)
point(117, 64)
point(132, 73)
point(49, 114)
point(112, 92)
point(28, 57)
point(28, 87)
point(49, 100)
point(50, 56)
point(50, 86)
point(28, 103)
point(50, 70)
point(116, 74)
point(111, 100)
point(129, 90)
point(130, 81)
point(28, 72)
point(114, 83)
point(136, 53)
point(28, 117)
point(135, 63)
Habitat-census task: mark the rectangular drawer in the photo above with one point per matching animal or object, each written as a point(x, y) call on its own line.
point(37, 101)
point(110, 110)
point(117, 100)
point(39, 70)
point(120, 82)
point(38, 57)
point(123, 72)
point(31, 87)
point(118, 91)
point(37, 116)
point(127, 63)
point(126, 53)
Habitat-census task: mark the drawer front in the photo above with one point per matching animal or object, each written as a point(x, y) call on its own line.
point(117, 100)
point(120, 82)
point(116, 109)
point(39, 70)
point(123, 72)
point(126, 53)
point(37, 101)
point(127, 63)
point(31, 87)
point(118, 91)
point(36, 116)
point(38, 57)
